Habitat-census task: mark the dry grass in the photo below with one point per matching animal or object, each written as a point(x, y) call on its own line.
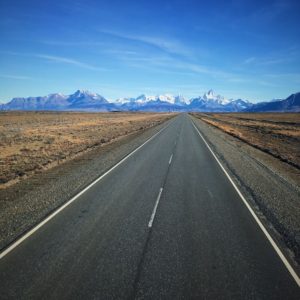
point(276, 134)
point(33, 141)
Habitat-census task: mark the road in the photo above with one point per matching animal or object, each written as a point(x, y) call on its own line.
point(166, 223)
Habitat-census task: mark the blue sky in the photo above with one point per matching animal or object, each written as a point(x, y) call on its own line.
point(247, 49)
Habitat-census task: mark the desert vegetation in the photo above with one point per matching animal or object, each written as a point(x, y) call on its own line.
point(275, 133)
point(34, 141)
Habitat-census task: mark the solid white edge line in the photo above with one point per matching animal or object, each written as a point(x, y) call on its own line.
point(51, 216)
point(170, 160)
point(264, 230)
point(155, 208)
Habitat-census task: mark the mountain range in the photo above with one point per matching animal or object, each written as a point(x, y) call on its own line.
point(83, 100)
point(290, 104)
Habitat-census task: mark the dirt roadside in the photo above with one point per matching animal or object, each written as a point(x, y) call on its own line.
point(276, 134)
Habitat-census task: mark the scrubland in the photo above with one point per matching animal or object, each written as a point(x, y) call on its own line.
point(277, 134)
point(31, 142)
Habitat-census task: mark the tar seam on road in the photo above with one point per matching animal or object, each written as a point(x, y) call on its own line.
point(170, 160)
point(52, 215)
point(140, 265)
point(264, 230)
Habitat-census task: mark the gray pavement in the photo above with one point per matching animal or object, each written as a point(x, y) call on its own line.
point(203, 243)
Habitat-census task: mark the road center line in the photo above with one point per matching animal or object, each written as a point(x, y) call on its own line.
point(51, 216)
point(155, 208)
point(170, 160)
point(262, 227)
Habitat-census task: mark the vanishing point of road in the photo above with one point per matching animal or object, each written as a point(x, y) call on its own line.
point(164, 223)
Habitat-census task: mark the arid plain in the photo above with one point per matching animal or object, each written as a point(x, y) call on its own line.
point(276, 134)
point(34, 141)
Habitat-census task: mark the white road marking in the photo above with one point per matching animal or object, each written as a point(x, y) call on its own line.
point(51, 216)
point(264, 230)
point(210, 193)
point(170, 160)
point(155, 208)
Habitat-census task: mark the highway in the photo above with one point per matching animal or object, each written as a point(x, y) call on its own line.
point(165, 223)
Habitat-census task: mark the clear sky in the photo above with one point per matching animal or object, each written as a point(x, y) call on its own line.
point(241, 49)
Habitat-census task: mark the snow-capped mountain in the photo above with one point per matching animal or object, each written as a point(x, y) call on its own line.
point(238, 105)
point(211, 97)
point(79, 95)
point(144, 102)
point(121, 101)
point(83, 100)
point(216, 103)
point(80, 100)
point(52, 101)
point(290, 104)
point(144, 99)
point(87, 101)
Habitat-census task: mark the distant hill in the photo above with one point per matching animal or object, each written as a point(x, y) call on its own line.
point(83, 100)
point(290, 104)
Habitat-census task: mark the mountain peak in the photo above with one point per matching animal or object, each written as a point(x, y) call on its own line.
point(82, 92)
point(210, 96)
point(142, 96)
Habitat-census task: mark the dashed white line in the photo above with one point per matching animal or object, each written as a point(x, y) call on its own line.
point(170, 160)
point(155, 208)
point(264, 230)
point(51, 216)
point(210, 193)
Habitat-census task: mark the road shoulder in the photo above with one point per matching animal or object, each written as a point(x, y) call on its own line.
point(264, 182)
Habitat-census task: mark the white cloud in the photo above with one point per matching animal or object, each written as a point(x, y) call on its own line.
point(18, 77)
point(58, 59)
point(67, 60)
point(71, 44)
point(166, 44)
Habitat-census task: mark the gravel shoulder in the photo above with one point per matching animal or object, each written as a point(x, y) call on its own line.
point(271, 186)
point(29, 201)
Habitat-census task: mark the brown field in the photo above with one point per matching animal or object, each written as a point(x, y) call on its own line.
point(31, 142)
point(276, 134)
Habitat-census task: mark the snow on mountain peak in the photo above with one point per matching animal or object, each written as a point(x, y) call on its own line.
point(166, 98)
point(144, 99)
point(57, 95)
point(80, 93)
point(85, 100)
point(86, 94)
point(210, 96)
point(210, 93)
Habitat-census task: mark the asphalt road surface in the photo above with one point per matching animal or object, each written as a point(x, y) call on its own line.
point(166, 223)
